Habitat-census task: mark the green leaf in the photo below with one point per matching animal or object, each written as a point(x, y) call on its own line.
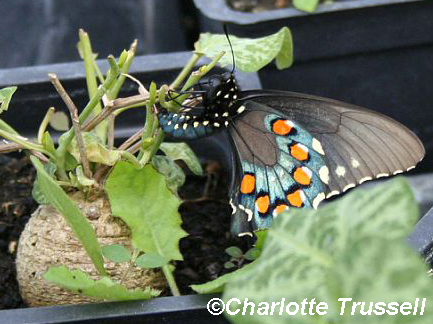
point(306, 5)
point(59, 121)
point(181, 151)
point(116, 253)
point(229, 265)
point(351, 248)
point(95, 150)
point(105, 288)
point(5, 97)
point(252, 254)
point(217, 285)
point(234, 251)
point(143, 201)
point(151, 260)
point(37, 193)
point(250, 54)
point(82, 179)
point(55, 195)
point(261, 237)
point(48, 142)
point(172, 172)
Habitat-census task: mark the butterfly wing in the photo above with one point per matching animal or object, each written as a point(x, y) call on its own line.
point(294, 150)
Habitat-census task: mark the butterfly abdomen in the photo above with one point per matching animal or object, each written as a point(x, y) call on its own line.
point(184, 127)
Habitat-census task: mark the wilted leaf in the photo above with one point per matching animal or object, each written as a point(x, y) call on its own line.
point(82, 179)
point(143, 201)
point(116, 253)
point(5, 97)
point(59, 121)
point(151, 260)
point(181, 151)
point(250, 54)
point(306, 5)
point(172, 172)
point(351, 248)
point(55, 195)
point(95, 150)
point(105, 288)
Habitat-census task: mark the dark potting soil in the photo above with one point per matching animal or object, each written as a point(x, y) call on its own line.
point(206, 220)
point(262, 5)
point(16, 206)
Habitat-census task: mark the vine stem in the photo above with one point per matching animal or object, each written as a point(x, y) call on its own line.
point(44, 124)
point(75, 121)
point(186, 70)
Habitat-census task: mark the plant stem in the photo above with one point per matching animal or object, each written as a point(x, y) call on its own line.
point(44, 124)
point(63, 146)
point(170, 279)
point(23, 142)
point(92, 85)
point(186, 70)
point(6, 127)
point(75, 122)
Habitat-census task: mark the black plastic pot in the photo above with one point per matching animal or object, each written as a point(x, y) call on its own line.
point(373, 53)
point(45, 31)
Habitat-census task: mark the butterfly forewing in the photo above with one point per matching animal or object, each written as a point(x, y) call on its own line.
point(300, 149)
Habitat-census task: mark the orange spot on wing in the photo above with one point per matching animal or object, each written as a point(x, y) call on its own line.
point(295, 198)
point(302, 177)
point(281, 127)
point(248, 184)
point(281, 208)
point(299, 152)
point(262, 204)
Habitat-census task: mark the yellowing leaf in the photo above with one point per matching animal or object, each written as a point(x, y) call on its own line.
point(95, 150)
point(59, 121)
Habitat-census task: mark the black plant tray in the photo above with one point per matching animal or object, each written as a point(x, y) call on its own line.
point(174, 310)
point(343, 27)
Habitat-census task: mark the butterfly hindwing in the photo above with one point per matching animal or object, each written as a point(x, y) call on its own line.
point(277, 168)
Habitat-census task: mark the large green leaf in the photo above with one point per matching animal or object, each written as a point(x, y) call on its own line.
point(251, 54)
point(5, 97)
point(37, 193)
point(143, 201)
point(105, 288)
point(352, 248)
point(55, 195)
point(181, 151)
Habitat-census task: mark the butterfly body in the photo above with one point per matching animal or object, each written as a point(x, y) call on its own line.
point(294, 150)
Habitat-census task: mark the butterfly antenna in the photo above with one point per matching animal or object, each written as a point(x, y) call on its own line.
point(231, 48)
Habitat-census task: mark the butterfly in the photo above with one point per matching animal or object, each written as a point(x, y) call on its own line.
point(293, 150)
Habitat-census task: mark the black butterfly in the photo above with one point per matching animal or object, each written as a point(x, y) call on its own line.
point(293, 150)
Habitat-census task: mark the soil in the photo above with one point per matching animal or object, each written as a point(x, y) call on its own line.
point(262, 5)
point(207, 220)
point(16, 206)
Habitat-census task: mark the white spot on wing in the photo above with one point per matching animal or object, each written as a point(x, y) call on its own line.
point(340, 171)
point(240, 109)
point(397, 172)
point(382, 175)
point(245, 233)
point(350, 185)
point(318, 199)
point(233, 207)
point(355, 163)
point(249, 214)
point(324, 174)
point(333, 193)
point(317, 146)
point(365, 179)
point(410, 168)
